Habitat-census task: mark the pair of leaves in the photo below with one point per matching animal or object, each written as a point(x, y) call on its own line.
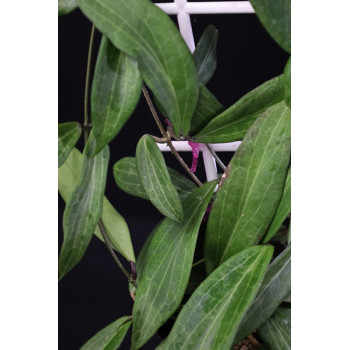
point(84, 207)
point(155, 179)
point(275, 17)
point(211, 317)
point(145, 32)
point(68, 135)
point(251, 188)
point(275, 332)
point(68, 177)
point(127, 178)
point(110, 337)
point(115, 92)
point(167, 267)
point(233, 123)
point(274, 289)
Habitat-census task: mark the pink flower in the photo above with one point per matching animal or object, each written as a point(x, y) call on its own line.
point(195, 155)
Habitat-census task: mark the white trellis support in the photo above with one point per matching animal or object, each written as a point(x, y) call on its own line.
point(183, 9)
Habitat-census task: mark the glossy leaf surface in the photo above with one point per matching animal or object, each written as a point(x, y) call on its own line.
point(274, 289)
point(248, 198)
point(168, 265)
point(275, 17)
point(155, 179)
point(145, 32)
point(114, 223)
point(68, 135)
point(209, 320)
point(127, 178)
point(205, 54)
point(207, 108)
point(283, 210)
point(83, 208)
point(110, 337)
point(276, 331)
point(66, 6)
point(233, 123)
point(287, 83)
point(115, 92)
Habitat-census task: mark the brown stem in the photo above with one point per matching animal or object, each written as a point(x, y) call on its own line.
point(167, 137)
point(218, 160)
point(114, 256)
point(87, 80)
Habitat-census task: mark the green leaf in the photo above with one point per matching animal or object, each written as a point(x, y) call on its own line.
point(282, 212)
point(114, 223)
point(66, 6)
point(232, 124)
point(84, 208)
point(168, 265)
point(287, 83)
point(127, 178)
point(207, 108)
point(275, 17)
point(155, 179)
point(110, 337)
point(145, 32)
point(115, 92)
point(210, 319)
point(68, 135)
point(275, 332)
point(274, 289)
point(205, 54)
point(248, 198)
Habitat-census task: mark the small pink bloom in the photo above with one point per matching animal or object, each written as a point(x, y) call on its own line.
point(195, 155)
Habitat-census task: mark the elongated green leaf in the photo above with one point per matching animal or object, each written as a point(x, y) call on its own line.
point(275, 17)
point(115, 92)
point(168, 265)
point(273, 291)
point(209, 320)
point(145, 32)
point(68, 135)
point(110, 337)
point(84, 208)
point(66, 6)
point(282, 212)
point(275, 332)
point(205, 54)
point(127, 178)
point(249, 196)
point(287, 83)
point(207, 108)
point(233, 123)
point(115, 225)
point(155, 179)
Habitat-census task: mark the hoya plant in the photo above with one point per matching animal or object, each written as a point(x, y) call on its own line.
point(216, 268)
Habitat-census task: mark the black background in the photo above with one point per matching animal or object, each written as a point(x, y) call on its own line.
point(95, 292)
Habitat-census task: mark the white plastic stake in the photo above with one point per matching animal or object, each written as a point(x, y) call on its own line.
point(183, 9)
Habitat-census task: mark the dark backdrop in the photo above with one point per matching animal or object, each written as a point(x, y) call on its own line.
point(95, 292)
